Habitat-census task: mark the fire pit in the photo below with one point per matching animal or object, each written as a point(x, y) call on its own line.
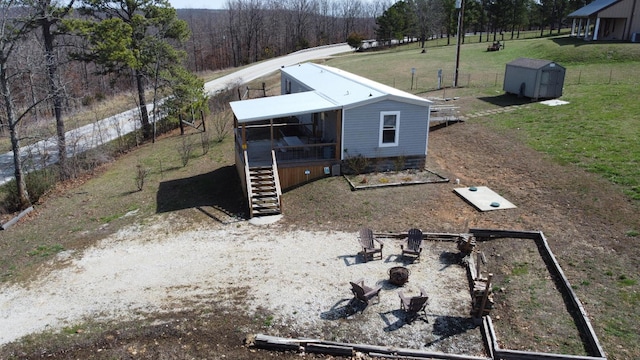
point(398, 275)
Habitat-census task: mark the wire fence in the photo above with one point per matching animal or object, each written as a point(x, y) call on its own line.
point(572, 77)
point(603, 76)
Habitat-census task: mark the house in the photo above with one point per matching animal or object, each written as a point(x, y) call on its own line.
point(534, 78)
point(607, 20)
point(325, 122)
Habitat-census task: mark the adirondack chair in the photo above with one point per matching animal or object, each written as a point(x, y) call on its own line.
point(413, 246)
point(364, 293)
point(367, 241)
point(414, 305)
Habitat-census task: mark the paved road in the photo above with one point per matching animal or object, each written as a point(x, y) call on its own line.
point(45, 152)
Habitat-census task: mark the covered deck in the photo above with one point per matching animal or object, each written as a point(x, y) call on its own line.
point(293, 142)
point(297, 134)
point(300, 127)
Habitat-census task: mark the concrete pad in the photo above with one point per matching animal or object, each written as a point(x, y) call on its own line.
point(554, 102)
point(483, 198)
point(264, 220)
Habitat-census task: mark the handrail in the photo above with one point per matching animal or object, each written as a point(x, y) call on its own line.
point(247, 178)
point(276, 178)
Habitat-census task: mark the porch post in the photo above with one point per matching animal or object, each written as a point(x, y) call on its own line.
point(271, 132)
point(596, 29)
point(573, 27)
point(579, 28)
point(314, 125)
point(244, 137)
point(586, 29)
point(338, 155)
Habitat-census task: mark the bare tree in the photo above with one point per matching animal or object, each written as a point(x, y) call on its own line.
point(16, 22)
point(49, 15)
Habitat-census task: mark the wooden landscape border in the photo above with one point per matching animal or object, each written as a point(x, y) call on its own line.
point(574, 306)
point(354, 187)
point(495, 352)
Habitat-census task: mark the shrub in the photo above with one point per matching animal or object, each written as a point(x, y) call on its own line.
point(184, 150)
point(141, 175)
point(38, 183)
point(356, 164)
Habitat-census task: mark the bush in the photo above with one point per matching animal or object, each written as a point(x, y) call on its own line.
point(356, 164)
point(38, 183)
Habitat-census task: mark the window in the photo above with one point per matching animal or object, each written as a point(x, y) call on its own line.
point(389, 126)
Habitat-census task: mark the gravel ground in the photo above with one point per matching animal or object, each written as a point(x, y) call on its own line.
point(299, 277)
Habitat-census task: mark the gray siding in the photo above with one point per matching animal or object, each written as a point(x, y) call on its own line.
point(296, 86)
point(362, 130)
point(515, 76)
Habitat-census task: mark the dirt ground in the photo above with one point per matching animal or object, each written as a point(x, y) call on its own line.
point(583, 217)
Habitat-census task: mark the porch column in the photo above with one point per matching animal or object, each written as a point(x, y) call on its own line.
point(339, 130)
point(271, 132)
point(586, 29)
point(596, 29)
point(579, 28)
point(573, 27)
point(244, 137)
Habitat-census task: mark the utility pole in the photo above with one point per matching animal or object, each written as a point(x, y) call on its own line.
point(460, 7)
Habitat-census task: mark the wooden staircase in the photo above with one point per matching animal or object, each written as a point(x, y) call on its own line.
point(264, 198)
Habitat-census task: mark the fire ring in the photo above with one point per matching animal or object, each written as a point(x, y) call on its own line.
point(399, 275)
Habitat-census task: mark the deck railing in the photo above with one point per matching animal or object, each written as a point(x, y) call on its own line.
point(247, 179)
point(276, 179)
point(306, 152)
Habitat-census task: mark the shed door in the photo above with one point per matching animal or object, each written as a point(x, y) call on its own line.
point(549, 83)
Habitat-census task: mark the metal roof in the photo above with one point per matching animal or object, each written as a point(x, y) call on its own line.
point(345, 88)
point(592, 8)
point(281, 106)
point(531, 63)
point(332, 89)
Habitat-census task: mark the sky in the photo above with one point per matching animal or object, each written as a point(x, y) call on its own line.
point(198, 4)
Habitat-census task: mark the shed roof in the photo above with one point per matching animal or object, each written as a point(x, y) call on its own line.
point(531, 63)
point(332, 89)
point(592, 8)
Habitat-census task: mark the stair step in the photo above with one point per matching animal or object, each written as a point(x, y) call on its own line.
point(262, 194)
point(261, 183)
point(262, 177)
point(263, 213)
point(258, 208)
point(264, 200)
point(270, 185)
point(264, 187)
point(260, 171)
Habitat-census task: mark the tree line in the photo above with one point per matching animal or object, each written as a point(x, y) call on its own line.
point(253, 30)
point(425, 19)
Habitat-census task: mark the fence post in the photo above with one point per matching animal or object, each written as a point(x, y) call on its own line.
point(579, 75)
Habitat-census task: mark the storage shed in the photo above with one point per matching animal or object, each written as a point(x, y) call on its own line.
point(534, 78)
